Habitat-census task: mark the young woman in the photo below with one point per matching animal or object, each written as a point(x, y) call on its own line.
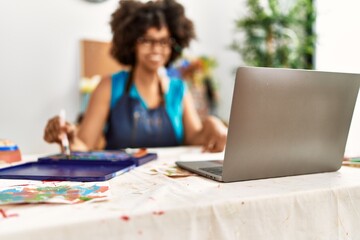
point(143, 107)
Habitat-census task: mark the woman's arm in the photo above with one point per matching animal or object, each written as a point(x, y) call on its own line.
point(211, 133)
point(92, 125)
point(84, 137)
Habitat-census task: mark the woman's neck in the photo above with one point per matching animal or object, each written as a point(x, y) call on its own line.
point(147, 84)
point(145, 77)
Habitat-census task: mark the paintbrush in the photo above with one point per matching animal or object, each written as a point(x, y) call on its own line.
point(64, 139)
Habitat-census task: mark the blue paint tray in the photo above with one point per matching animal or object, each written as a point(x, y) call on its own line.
point(66, 171)
point(138, 158)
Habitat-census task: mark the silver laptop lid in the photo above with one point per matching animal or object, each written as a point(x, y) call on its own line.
point(287, 122)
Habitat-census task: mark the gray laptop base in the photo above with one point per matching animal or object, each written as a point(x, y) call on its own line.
point(209, 169)
point(285, 122)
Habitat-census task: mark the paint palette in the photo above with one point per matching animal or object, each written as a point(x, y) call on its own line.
point(66, 171)
point(90, 156)
point(138, 158)
point(79, 166)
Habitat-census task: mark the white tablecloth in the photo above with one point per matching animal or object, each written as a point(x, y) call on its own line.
point(154, 206)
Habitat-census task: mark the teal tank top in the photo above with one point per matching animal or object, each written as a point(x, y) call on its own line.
point(173, 99)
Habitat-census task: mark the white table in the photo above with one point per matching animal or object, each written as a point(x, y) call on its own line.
point(145, 206)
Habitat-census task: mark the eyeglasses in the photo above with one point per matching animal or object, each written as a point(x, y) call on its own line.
point(147, 42)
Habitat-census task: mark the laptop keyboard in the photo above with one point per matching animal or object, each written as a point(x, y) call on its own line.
point(213, 170)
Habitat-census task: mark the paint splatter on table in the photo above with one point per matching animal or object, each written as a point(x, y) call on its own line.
point(53, 192)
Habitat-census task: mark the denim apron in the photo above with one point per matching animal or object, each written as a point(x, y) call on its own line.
point(132, 125)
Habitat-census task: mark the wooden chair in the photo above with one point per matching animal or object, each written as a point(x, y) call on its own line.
point(96, 59)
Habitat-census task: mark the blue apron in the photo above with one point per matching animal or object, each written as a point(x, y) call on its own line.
point(132, 125)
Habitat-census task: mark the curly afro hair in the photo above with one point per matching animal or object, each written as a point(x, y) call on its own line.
point(132, 19)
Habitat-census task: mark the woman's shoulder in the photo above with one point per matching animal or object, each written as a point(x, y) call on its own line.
point(176, 90)
point(176, 84)
point(104, 84)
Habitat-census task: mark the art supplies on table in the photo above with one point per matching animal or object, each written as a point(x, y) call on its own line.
point(351, 162)
point(9, 151)
point(354, 159)
point(79, 166)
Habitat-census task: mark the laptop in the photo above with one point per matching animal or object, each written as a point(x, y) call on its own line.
point(284, 122)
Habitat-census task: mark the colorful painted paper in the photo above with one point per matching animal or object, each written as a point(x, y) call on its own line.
point(54, 192)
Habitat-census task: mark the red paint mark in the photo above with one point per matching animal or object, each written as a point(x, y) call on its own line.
point(4, 215)
point(140, 153)
point(125, 218)
point(159, 213)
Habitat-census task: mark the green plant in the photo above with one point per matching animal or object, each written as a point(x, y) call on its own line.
point(276, 37)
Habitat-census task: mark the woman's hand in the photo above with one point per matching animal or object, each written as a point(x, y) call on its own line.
point(214, 134)
point(211, 133)
point(54, 133)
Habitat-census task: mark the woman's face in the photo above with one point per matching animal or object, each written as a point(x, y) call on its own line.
point(153, 49)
